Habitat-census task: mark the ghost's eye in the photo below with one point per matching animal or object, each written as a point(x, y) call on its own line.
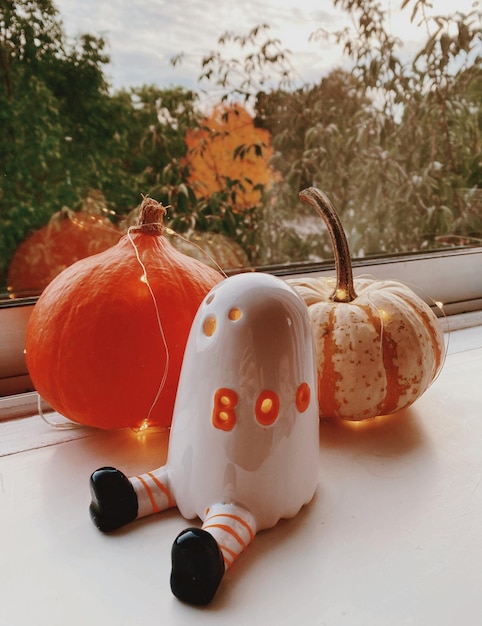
point(234, 314)
point(267, 407)
point(209, 326)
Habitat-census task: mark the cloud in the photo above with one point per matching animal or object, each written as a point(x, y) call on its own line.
point(144, 35)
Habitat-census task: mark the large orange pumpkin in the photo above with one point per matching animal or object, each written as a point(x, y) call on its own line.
point(68, 237)
point(379, 346)
point(106, 330)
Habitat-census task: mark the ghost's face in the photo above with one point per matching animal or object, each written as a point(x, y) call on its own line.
point(246, 407)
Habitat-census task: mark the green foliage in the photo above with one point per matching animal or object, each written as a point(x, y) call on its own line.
point(260, 63)
point(395, 142)
point(51, 133)
point(65, 133)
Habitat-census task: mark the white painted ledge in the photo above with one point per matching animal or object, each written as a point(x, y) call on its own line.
point(393, 536)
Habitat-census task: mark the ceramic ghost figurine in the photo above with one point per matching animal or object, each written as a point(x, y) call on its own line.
point(243, 449)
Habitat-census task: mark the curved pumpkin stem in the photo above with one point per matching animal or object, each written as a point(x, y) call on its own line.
point(150, 217)
point(344, 290)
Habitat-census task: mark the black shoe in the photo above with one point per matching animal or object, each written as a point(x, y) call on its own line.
point(114, 501)
point(197, 566)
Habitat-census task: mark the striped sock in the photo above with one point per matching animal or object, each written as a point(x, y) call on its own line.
point(153, 493)
point(233, 528)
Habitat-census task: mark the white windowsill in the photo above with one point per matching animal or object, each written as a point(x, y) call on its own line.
point(392, 536)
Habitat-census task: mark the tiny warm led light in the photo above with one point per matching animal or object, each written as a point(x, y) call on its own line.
point(439, 304)
point(169, 231)
point(384, 315)
point(143, 278)
point(144, 425)
point(341, 294)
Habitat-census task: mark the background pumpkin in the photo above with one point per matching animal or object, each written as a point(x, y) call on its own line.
point(214, 249)
point(94, 346)
point(67, 237)
point(379, 346)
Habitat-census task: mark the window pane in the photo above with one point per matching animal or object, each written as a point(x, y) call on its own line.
point(224, 120)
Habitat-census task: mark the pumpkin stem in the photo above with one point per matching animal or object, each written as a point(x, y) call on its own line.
point(150, 217)
point(344, 290)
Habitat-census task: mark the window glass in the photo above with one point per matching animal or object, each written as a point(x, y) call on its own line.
point(224, 116)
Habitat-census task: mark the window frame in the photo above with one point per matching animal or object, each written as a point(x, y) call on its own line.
point(450, 277)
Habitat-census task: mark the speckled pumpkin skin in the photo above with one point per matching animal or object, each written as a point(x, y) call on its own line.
point(376, 354)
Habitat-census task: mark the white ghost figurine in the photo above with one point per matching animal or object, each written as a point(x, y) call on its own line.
point(243, 449)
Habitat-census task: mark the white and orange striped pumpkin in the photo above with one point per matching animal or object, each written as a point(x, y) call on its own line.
point(379, 346)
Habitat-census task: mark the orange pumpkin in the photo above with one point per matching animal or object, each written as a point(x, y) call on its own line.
point(68, 237)
point(214, 249)
point(379, 346)
point(106, 330)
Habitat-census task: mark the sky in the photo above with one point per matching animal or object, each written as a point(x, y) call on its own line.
point(143, 35)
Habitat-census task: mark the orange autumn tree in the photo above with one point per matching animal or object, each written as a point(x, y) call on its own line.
point(228, 151)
